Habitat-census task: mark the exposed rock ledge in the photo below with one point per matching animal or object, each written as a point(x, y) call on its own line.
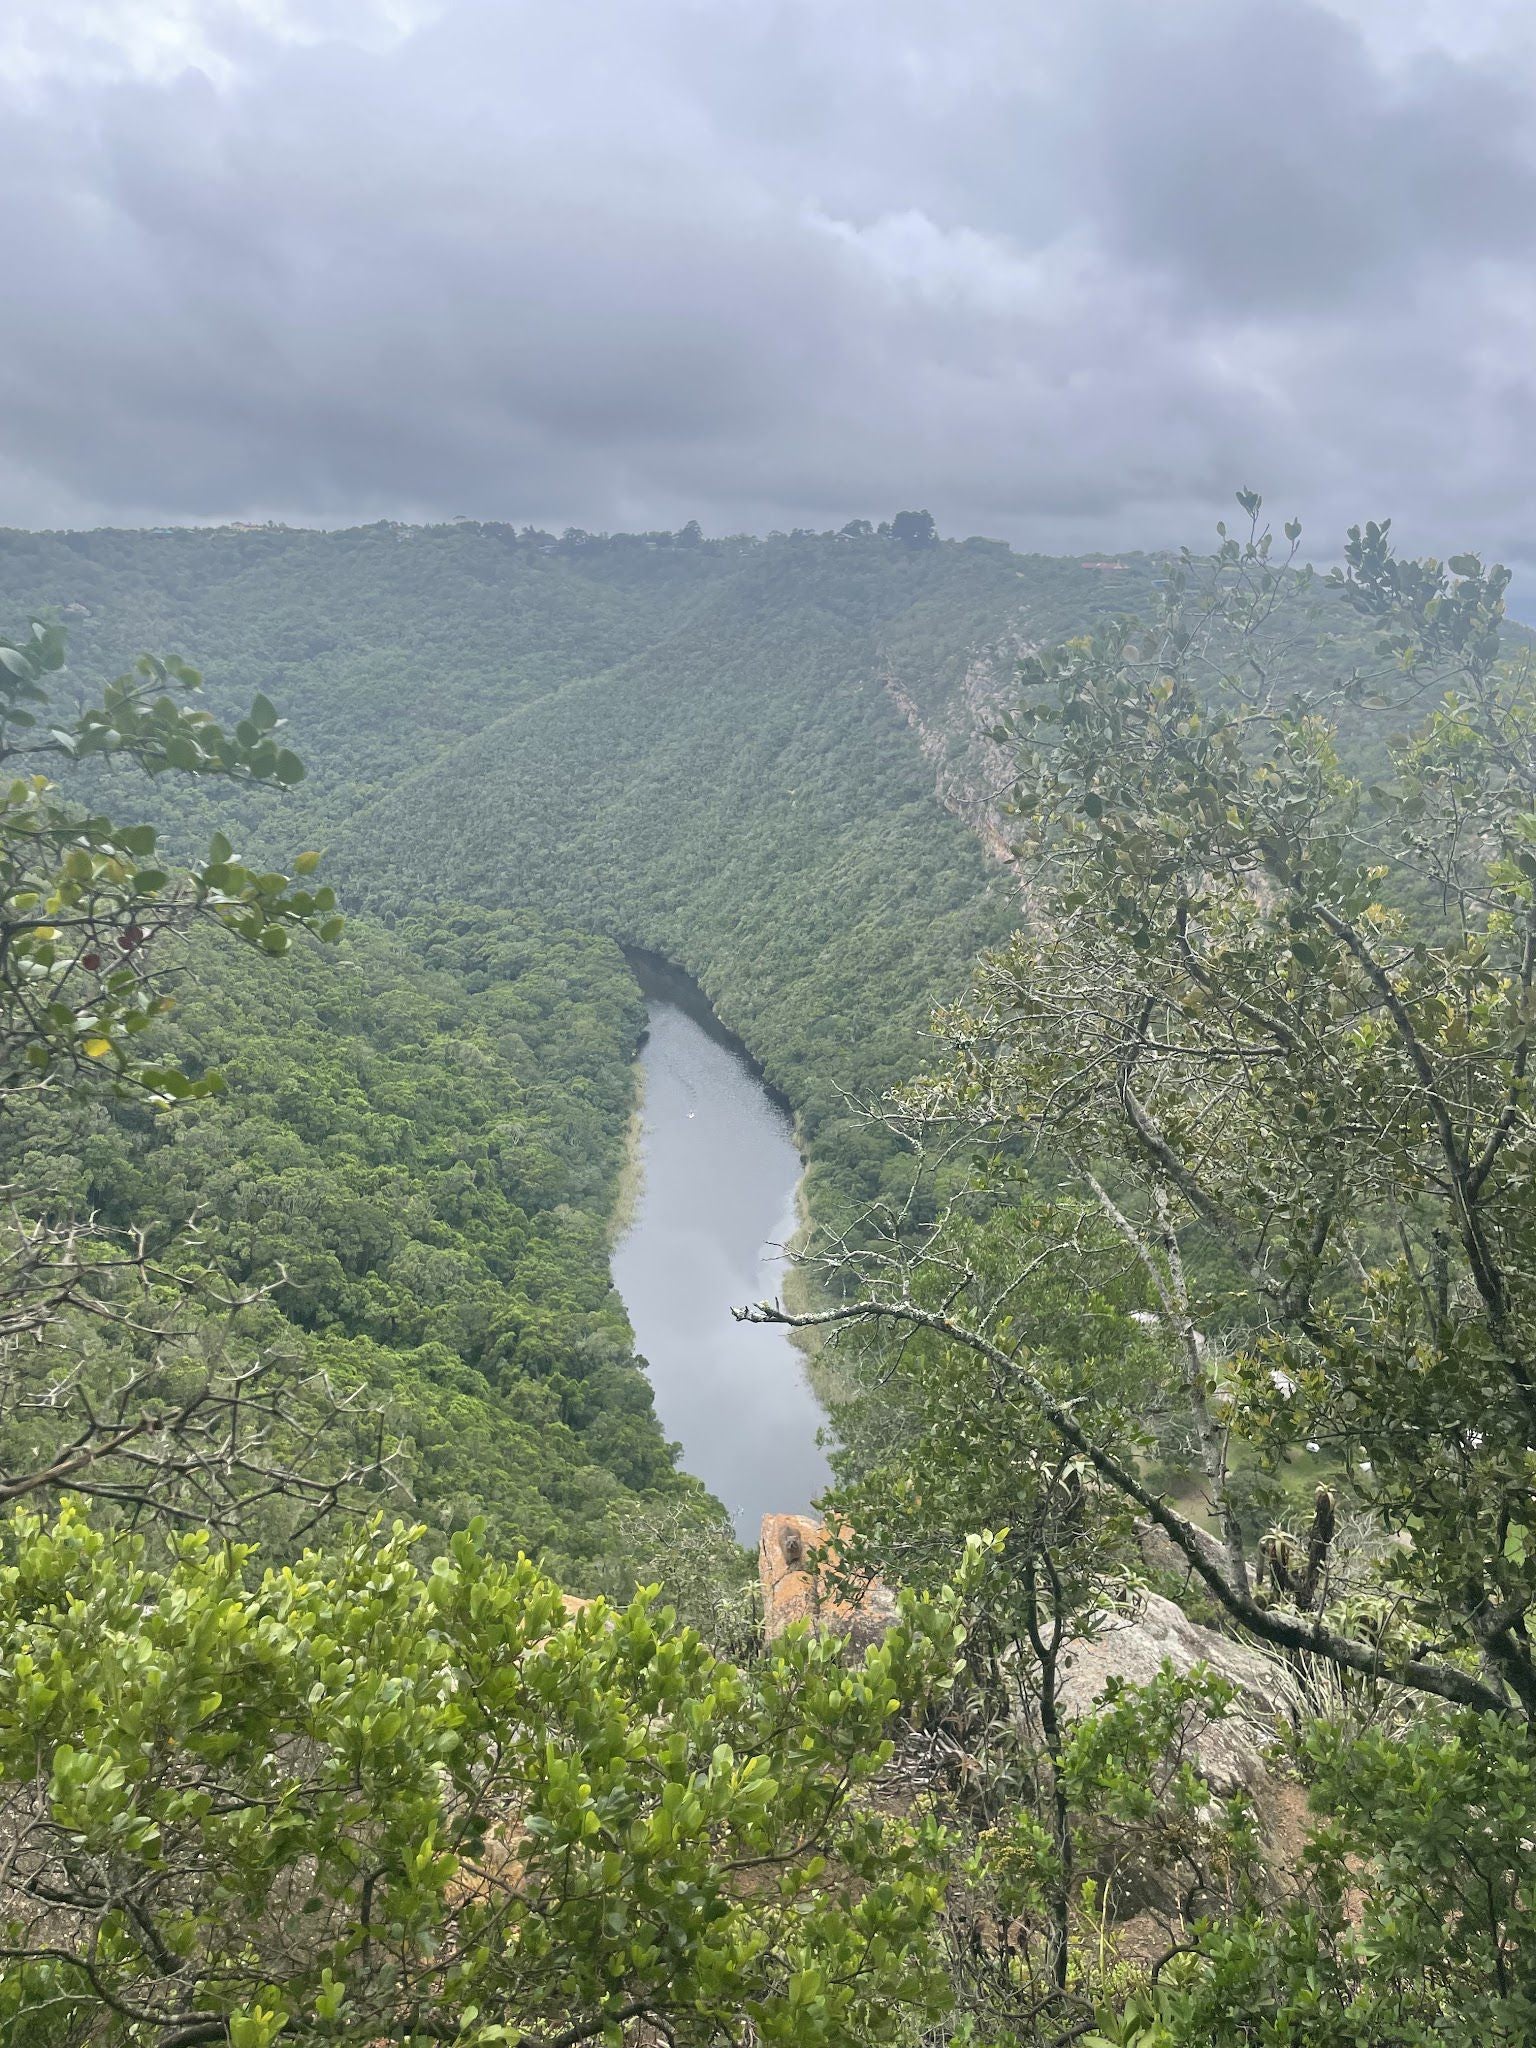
point(792, 1592)
point(1132, 1646)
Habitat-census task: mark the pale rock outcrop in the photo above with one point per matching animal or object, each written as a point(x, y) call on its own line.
point(1134, 1645)
point(1160, 1553)
point(1131, 1645)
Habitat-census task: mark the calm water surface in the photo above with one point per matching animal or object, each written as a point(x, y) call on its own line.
point(717, 1202)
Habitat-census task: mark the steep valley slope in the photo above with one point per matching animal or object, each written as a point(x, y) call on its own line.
point(754, 758)
point(748, 756)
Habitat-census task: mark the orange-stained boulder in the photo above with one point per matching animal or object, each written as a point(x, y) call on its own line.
point(793, 1592)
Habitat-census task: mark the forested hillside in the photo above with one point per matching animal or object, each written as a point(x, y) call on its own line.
point(416, 1150)
point(704, 748)
point(312, 1231)
point(756, 759)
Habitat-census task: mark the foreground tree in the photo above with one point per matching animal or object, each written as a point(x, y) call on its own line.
point(89, 915)
point(353, 1802)
point(1276, 1025)
point(123, 1371)
point(1271, 1027)
point(1068, 1820)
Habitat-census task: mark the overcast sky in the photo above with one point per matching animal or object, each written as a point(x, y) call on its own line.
point(1067, 273)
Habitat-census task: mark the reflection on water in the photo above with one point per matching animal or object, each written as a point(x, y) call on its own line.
point(716, 1204)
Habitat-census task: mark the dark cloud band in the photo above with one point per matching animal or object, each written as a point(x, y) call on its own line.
point(1067, 275)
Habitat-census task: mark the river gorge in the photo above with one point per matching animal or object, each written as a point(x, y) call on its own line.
point(718, 1171)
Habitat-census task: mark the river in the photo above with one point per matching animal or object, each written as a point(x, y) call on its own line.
point(716, 1204)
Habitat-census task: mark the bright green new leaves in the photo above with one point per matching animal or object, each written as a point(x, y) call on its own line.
point(87, 913)
point(350, 1802)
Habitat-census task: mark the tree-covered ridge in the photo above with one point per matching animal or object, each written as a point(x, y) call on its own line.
point(693, 745)
point(745, 797)
point(416, 1150)
point(702, 747)
point(384, 643)
point(729, 752)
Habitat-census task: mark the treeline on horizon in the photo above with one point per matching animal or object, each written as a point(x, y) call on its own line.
point(910, 529)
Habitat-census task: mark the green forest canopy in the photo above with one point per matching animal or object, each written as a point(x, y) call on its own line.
point(697, 748)
point(519, 750)
point(411, 1151)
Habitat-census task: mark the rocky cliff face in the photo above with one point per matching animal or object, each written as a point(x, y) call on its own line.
point(1131, 1644)
point(971, 773)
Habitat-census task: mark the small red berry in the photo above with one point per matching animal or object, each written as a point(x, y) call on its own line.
point(91, 960)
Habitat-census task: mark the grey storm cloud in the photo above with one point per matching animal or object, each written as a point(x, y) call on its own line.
point(1068, 275)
